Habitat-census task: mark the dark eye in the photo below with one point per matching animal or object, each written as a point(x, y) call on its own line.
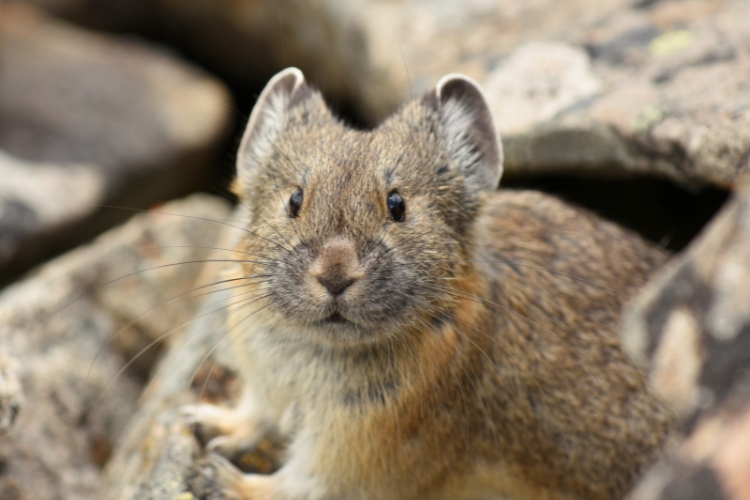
point(396, 206)
point(295, 203)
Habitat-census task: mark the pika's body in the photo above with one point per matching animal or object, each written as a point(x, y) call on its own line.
point(412, 333)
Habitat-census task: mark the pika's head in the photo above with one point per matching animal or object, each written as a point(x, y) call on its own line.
point(359, 236)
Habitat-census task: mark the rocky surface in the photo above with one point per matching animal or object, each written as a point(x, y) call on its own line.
point(677, 75)
point(691, 325)
point(38, 198)
point(352, 57)
point(618, 88)
point(89, 119)
point(158, 457)
point(605, 89)
point(65, 395)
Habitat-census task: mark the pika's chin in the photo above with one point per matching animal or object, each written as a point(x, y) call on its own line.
point(337, 330)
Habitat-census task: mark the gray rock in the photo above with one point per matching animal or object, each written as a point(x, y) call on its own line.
point(11, 395)
point(476, 37)
point(352, 57)
point(38, 199)
point(672, 100)
point(536, 83)
point(92, 119)
point(677, 95)
point(691, 325)
point(158, 458)
point(65, 392)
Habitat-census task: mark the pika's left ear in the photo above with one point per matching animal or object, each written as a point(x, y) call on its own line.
point(268, 119)
point(469, 131)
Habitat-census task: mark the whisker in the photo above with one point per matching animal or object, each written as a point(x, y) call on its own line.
point(403, 58)
point(144, 350)
point(64, 272)
point(186, 345)
point(140, 271)
point(244, 285)
point(196, 218)
point(132, 321)
point(255, 212)
point(223, 335)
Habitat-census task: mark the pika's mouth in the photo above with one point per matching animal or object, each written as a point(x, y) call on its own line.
point(335, 319)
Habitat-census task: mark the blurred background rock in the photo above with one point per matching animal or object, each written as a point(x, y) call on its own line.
point(142, 100)
point(637, 109)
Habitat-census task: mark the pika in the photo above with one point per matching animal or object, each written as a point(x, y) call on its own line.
point(412, 331)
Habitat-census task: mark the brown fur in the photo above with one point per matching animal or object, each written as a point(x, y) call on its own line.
point(478, 357)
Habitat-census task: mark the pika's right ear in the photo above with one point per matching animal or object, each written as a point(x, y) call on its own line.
point(268, 118)
point(469, 130)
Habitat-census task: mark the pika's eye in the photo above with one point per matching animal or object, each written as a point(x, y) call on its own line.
point(295, 203)
point(396, 206)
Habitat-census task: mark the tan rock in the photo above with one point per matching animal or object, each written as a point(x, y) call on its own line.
point(65, 395)
point(341, 46)
point(671, 102)
point(93, 119)
point(691, 325)
point(673, 99)
point(158, 457)
point(537, 82)
point(38, 199)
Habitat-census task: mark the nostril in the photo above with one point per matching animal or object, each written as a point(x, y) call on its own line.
point(335, 284)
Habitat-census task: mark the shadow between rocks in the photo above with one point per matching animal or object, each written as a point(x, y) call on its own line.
point(657, 209)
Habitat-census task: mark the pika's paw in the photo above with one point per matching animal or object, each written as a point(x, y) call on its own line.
point(235, 485)
point(223, 430)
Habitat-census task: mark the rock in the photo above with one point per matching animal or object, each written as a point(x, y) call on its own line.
point(662, 91)
point(691, 325)
point(676, 79)
point(617, 88)
point(158, 458)
point(93, 119)
point(65, 392)
point(346, 54)
point(354, 59)
point(42, 200)
point(476, 37)
point(537, 82)
point(711, 463)
point(11, 396)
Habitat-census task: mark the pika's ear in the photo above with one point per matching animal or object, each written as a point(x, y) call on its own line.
point(268, 118)
point(469, 131)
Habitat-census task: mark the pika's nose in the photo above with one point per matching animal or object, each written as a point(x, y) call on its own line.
point(335, 284)
point(337, 266)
